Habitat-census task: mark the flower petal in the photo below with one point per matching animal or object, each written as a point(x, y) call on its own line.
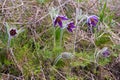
point(63, 18)
point(13, 32)
point(72, 26)
point(94, 23)
point(55, 22)
point(92, 20)
point(60, 24)
point(105, 52)
point(69, 29)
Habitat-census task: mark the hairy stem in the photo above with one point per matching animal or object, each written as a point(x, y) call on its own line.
point(61, 37)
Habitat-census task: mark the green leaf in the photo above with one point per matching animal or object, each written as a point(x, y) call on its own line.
point(102, 13)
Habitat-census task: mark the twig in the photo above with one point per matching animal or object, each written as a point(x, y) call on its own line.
point(13, 7)
point(8, 76)
point(43, 73)
point(92, 5)
point(59, 73)
point(18, 78)
point(3, 5)
point(55, 9)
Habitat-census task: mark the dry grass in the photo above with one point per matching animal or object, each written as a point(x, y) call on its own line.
point(35, 18)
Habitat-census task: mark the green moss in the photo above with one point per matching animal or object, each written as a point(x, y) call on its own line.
point(103, 41)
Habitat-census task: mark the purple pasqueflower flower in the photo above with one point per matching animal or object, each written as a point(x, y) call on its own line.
point(59, 20)
point(92, 20)
point(105, 52)
point(13, 32)
point(70, 26)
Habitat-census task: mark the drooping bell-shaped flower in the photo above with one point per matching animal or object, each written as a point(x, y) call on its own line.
point(92, 20)
point(59, 20)
point(71, 26)
point(13, 32)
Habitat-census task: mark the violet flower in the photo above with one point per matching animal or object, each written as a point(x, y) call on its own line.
point(92, 20)
point(13, 32)
point(105, 52)
point(59, 20)
point(70, 27)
